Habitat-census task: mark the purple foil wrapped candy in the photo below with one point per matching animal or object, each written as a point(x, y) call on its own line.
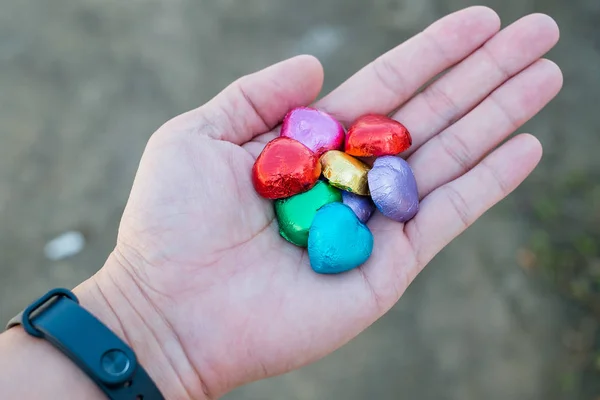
point(315, 129)
point(394, 188)
point(362, 206)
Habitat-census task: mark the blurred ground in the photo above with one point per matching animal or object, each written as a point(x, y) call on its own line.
point(85, 82)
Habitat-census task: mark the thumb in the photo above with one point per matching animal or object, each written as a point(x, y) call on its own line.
point(255, 103)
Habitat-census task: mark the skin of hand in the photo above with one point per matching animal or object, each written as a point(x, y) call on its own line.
point(200, 283)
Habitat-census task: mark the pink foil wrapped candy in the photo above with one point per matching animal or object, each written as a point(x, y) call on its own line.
point(315, 129)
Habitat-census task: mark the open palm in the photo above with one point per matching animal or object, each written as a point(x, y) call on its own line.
point(238, 302)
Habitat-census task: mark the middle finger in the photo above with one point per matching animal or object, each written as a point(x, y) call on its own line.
point(460, 90)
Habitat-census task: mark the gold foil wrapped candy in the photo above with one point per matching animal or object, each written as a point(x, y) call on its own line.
point(345, 172)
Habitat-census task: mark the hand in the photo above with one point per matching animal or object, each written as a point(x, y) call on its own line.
point(204, 287)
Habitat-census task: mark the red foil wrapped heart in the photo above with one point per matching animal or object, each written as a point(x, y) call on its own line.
point(375, 136)
point(284, 168)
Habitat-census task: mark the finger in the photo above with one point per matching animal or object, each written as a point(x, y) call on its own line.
point(462, 88)
point(256, 103)
point(456, 150)
point(386, 83)
point(391, 79)
point(450, 209)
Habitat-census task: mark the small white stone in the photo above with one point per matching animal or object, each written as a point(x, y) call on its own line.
point(64, 245)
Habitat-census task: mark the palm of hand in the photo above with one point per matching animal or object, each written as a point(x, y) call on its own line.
point(205, 249)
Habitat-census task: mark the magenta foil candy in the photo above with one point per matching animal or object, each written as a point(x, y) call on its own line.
point(394, 188)
point(315, 129)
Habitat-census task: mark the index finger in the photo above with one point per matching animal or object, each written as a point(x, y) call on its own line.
point(391, 79)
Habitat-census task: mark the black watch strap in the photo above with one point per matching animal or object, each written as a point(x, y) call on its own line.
point(106, 359)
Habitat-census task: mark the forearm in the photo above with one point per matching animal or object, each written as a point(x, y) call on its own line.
point(32, 368)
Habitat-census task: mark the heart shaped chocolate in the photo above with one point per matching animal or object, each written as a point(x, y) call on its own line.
point(338, 241)
point(284, 168)
point(345, 172)
point(376, 135)
point(362, 206)
point(394, 188)
point(315, 129)
point(295, 214)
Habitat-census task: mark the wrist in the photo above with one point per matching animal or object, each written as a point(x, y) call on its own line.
point(117, 299)
point(32, 368)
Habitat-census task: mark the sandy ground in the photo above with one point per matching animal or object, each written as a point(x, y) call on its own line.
point(85, 82)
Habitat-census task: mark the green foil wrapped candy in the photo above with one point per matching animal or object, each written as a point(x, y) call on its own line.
point(295, 214)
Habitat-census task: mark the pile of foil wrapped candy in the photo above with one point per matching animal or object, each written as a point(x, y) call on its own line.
point(326, 186)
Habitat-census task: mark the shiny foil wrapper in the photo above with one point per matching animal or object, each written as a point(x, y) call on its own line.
point(394, 188)
point(362, 206)
point(377, 135)
point(345, 172)
point(315, 129)
point(295, 214)
point(285, 168)
point(338, 241)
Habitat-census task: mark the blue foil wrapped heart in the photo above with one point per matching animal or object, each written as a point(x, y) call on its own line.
point(337, 240)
